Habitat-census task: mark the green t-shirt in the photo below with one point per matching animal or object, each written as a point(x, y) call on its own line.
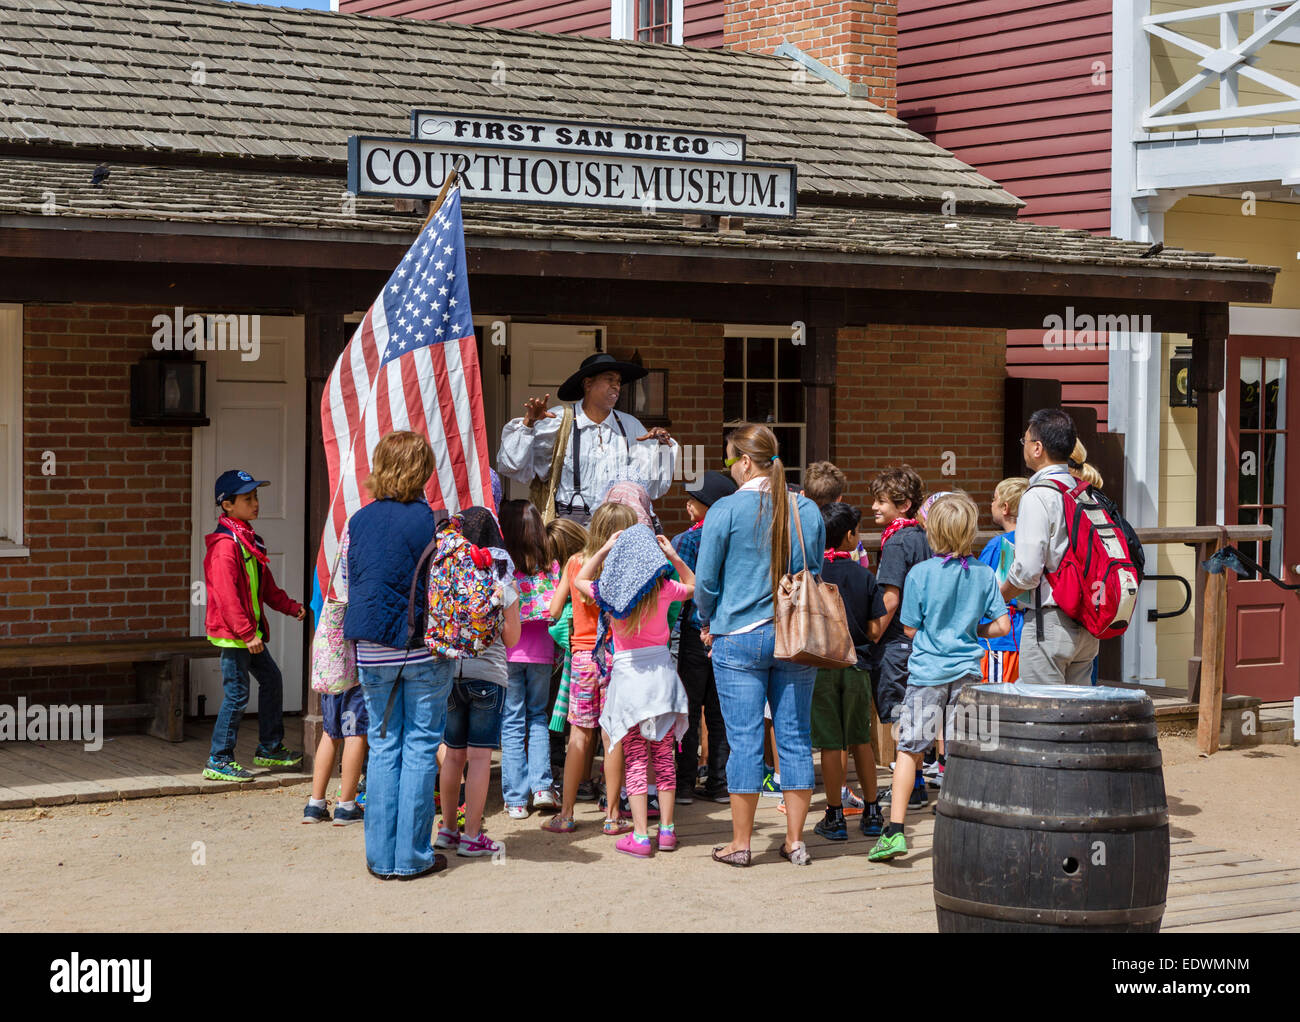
point(250, 566)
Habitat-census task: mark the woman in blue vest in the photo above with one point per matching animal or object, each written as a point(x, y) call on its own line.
point(384, 541)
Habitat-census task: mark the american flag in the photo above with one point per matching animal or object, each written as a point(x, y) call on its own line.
point(412, 364)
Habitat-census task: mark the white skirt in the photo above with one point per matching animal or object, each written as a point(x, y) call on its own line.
point(646, 694)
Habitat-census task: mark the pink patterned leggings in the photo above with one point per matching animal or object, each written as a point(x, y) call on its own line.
point(637, 753)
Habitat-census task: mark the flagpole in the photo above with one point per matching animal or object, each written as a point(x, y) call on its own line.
point(452, 178)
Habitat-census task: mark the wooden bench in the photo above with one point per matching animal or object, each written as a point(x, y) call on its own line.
point(160, 666)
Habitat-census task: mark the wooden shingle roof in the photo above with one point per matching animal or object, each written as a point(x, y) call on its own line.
point(248, 201)
point(209, 78)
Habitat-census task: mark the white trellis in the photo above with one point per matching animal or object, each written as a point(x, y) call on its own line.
point(1234, 58)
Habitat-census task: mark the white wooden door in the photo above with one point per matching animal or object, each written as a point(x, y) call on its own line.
point(257, 410)
point(542, 356)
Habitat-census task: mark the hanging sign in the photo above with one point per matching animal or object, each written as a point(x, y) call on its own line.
point(574, 136)
point(414, 168)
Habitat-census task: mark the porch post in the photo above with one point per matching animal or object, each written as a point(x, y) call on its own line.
point(1133, 385)
point(325, 340)
point(1209, 356)
point(823, 318)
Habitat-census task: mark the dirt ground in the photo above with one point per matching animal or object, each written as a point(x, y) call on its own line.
point(241, 860)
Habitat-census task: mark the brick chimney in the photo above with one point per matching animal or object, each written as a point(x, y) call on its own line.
point(856, 39)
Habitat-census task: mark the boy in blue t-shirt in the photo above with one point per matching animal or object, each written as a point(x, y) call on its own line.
point(1001, 661)
point(945, 600)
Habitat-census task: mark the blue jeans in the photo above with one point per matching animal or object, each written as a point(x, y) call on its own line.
point(403, 771)
point(474, 715)
point(747, 674)
point(526, 718)
point(236, 664)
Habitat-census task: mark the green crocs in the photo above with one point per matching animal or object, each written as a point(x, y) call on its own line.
point(225, 771)
point(887, 847)
point(280, 756)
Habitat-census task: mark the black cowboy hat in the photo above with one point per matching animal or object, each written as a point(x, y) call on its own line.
point(594, 365)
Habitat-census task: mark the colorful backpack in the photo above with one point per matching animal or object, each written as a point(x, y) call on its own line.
point(464, 608)
point(1096, 583)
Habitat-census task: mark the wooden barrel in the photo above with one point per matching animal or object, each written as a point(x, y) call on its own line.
point(1052, 816)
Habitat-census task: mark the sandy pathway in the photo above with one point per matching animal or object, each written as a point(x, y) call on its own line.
point(132, 865)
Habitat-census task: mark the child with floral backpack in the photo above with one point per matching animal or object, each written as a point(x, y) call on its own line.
point(473, 728)
point(525, 738)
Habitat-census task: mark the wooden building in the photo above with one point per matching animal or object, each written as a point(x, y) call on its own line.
point(1075, 108)
point(191, 155)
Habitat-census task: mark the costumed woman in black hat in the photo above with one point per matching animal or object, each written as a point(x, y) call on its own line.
point(570, 454)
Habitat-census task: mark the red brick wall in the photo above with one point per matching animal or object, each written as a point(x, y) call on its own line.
point(858, 39)
point(109, 531)
point(692, 353)
point(910, 394)
point(901, 394)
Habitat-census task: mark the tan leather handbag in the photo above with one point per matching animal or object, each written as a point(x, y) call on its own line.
point(811, 626)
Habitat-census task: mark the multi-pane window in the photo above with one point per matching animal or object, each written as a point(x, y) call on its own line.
point(653, 20)
point(761, 382)
point(1261, 472)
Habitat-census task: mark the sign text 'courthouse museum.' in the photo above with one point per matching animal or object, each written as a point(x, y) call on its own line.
point(506, 159)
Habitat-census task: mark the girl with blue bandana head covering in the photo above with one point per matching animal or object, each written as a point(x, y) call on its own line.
point(646, 704)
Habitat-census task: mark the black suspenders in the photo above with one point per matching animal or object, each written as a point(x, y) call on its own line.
point(577, 456)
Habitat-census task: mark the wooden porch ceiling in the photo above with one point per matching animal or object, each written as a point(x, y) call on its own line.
point(280, 275)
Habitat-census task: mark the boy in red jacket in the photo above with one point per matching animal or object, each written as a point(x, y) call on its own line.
point(238, 579)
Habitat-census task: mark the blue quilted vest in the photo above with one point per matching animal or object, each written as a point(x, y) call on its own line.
point(386, 538)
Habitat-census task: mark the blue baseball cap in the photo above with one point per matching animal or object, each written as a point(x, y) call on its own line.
point(231, 484)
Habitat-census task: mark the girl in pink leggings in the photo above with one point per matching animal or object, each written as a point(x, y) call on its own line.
point(645, 701)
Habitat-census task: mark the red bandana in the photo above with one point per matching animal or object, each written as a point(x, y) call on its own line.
point(835, 555)
point(245, 536)
point(893, 527)
point(697, 525)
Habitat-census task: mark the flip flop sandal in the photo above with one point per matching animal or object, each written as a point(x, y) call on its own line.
point(741, 857)
point(560, 825)
point(615, 827)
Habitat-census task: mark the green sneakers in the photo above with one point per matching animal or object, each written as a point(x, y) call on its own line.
point(225, 770)
point(280, 756)
point(888, 848)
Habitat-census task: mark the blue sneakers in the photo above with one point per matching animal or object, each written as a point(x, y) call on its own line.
point(872, 821)
point(280, 756)
point(315, 814)
point(225, 770)
point(771, 787)
point(832, 825)
point(344, 816)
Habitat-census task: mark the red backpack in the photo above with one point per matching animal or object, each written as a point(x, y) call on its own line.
point(1096, 583)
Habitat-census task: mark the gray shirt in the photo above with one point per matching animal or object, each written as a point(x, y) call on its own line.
point(1041, 537)
point(490, 665)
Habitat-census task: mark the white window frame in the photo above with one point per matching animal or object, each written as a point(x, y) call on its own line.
point(621, 26)
point(11, 417)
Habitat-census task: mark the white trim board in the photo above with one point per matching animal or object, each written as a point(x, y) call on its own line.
point(1259, 322)
point(11, 431)
point(1261, 155)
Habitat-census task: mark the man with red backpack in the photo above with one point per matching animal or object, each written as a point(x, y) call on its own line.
point(1073, 571)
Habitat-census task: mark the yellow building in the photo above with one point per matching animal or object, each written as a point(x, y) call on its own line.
point(1262, 232)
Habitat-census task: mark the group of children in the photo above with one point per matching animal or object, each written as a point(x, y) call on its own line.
point(929, 621)
point(589, 615)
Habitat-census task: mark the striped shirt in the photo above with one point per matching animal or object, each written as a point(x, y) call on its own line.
point(372, 654)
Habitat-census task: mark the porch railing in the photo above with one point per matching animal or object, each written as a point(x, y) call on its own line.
point(1234, 58)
